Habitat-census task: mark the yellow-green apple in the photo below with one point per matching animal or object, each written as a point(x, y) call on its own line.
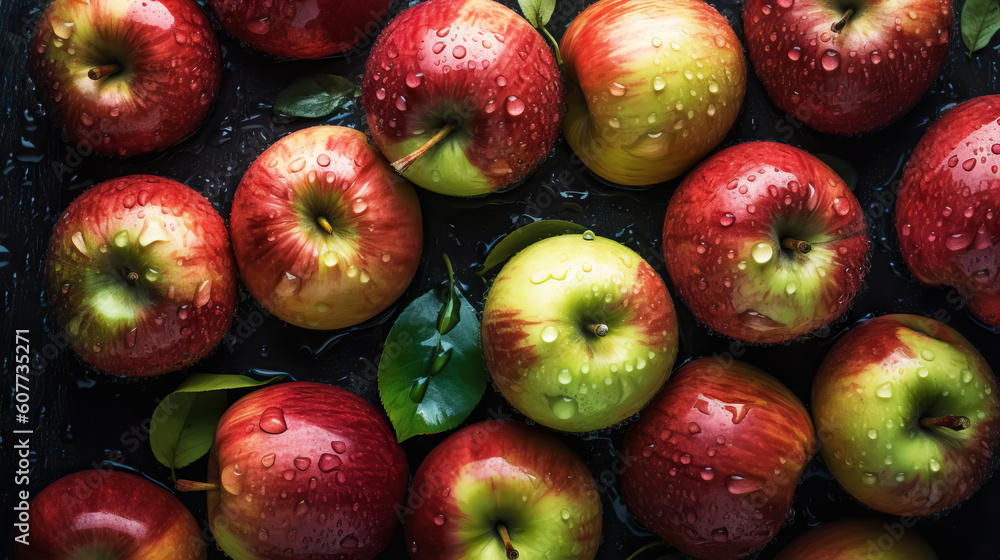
point(125, 77)
point(765, 243)
point(101, 514)
point(141, 276)
point(859, 539)
point(847, 66)
point(300, 28)
point(463, 96)
point(500, 490)
point(716, 459)
point(948, 211)
point(653, 86)
point(326, 235)
point(579, 332)
point(303, 470)
point(909, 414)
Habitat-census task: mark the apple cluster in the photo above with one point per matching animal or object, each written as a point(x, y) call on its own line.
point(762, 243)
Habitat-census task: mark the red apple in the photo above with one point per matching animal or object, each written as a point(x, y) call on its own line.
point(859, 539)
point(304, 470)
point(325, 233)
point(141, 276)
point(765, 243)
point(846, 66)
point(499, 489)
point(464, 96)
point(125, 77)
point(716, 459)
point(101, 514)
point(948, 212)
point(300, 28)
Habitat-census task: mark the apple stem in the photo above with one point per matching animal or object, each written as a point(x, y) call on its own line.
point(796, 245)
point(512, 553)
point(956, 423)
point(599, 329)
point(401, 165)
point(101, 71)
point(192, 486)
point(325, 224)
point(838, 26)
point(132, 278)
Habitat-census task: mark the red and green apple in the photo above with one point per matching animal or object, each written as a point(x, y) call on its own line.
point(859, 539)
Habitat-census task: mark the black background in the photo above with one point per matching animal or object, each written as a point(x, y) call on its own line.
point(82, 418)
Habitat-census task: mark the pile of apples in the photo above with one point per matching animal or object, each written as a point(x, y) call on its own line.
point(762, 242)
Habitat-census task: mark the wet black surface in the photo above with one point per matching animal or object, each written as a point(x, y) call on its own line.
point(81, 418)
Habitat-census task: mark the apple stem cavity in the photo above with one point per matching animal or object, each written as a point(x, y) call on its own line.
point(512, 553)
point(402, 164)
point(956, 423)
point(599, 329)
point(325, 224)
point(839, 25)
point(100, 71)
point(801, 247)
point(192, 486)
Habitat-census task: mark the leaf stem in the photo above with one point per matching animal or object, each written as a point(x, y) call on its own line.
point(838, 26)
point(512, 553)
point(325, 224)
point(193, 486)
point(100, 71)
point(796, 245)
point(555, 45)
point(402, 164)
point(956, 423)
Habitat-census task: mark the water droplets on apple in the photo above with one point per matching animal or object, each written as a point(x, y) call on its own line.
point(588, 235)
point(762, 252)
point(550, 334)
point(927, 354)
point(830, 60)
point(739, 485)
point(272, 420)
point(562, 407)
point(884, 391)
point(81, 246)
point(616, 89)
point(515, 107)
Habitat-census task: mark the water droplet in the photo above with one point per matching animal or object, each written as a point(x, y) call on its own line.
point(438, 47)
point(588, 235)
point(267, 460)
point(77, 239)
point(739, 485)
point(934, 465)
point(439, 520)
point(515, 106)
point(720, 535)
point(339, 447)
point(152, 231)
point(830, 60)
point(794, 53)
point(401, 103)
point(659, 83)
point(565, 377)
point(922, 372)
point(707, 474)
point(841, 206)
point(563, 407)
point(616, 89)
point(762, 252)
point(231, 479)
point(694, 428)
point(330, 258)
point(302, 463)
point(927, 354)
point(550, 333)
point(272, 420)
point(727, 220)
point(884, 390)
point(872, 434)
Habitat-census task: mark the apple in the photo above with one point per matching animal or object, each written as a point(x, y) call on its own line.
point(300, 28)
point(125, 77)
point(716, 458)
point(858, 539)
point(847, 66)
point(909, 414)
point(765, 243)
point(100, 514)
point(303, 470)
point(140, 276)
point(498, 489)
point(579, 332)
point(949, 203)
point(326, 235)
point(463, 96)
point(653, 86)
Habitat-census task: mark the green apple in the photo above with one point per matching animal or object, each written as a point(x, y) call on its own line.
point(908, 414)
point(652, 86)
point(579, 332)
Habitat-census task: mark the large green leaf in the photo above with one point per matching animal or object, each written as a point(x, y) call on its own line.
point(525, 236)
point(980, 21)
point(315, 96)
point(537, 12)
point(429, 382)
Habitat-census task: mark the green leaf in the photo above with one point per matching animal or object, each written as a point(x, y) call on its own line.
point(841, 167)
point(183, 425)
point(524, 236)
point(449, 314)
point(315, 96)
point(430, 382)
point(537, 12)
point(980, 21)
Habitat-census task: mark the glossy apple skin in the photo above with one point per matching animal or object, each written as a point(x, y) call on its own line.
point(859, 79)
point(300, 28)
point(764, 192)
point(290, 264)
point(576, 381)
point(480, 476)
point(716, 458)
point(479, 64)
point(949, 203)
point(859, 539)
point(109, 514)
point(305, 466)
point(634, 116)
point(879, 380)
point(171, 64)
point(184, 295)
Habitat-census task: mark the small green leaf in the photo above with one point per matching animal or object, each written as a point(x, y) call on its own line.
point(524, 236)
point(430, 382)
point(183, 425)
point(449, 315)
point(537, 12)
point(315, 96)
point(841, 167)
point(980, 21)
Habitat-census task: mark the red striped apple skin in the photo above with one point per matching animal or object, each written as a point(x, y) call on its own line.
point(716, 458)
point(110, 514)
point(859, 539)
point(948, 212)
